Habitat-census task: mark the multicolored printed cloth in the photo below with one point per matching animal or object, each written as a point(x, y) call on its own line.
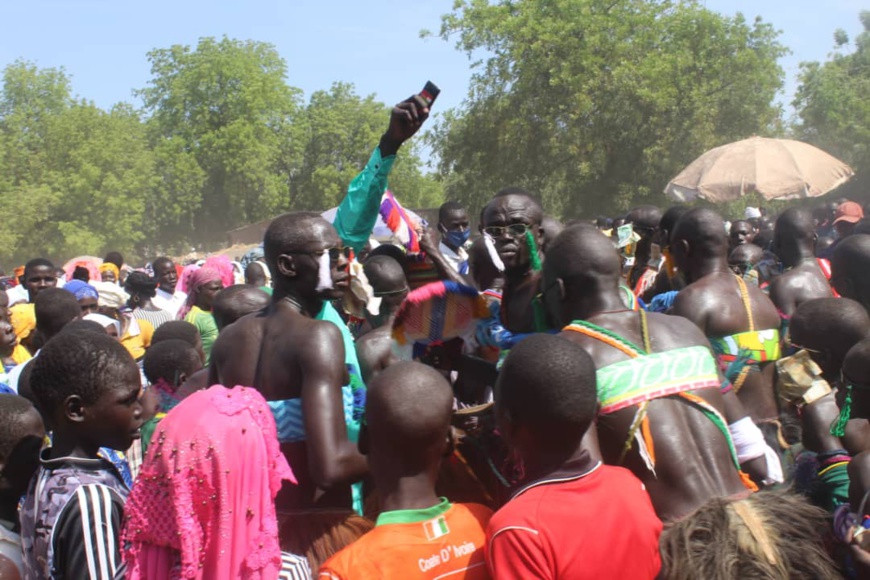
point(758, 345)
point(438, 312)
point(740, 354)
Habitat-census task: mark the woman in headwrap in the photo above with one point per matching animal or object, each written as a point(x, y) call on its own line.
point(223, 265)
point(109, 272)
point(142, 288)
point(203, 506)
point(87, 295)
point(135, 334)
point(112, 326)
point(202, 287)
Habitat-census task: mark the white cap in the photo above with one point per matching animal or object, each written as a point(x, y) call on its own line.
point(752, 213)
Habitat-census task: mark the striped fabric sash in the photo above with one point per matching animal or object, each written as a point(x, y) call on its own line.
point(653, 376)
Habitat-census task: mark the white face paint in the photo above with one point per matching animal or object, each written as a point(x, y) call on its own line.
point(324, 273)
point(493, 253)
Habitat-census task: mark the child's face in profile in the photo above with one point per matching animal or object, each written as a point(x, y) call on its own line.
point(24, 458)
point(115, 418)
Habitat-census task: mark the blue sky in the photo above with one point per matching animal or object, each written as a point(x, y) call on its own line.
point(373, 44)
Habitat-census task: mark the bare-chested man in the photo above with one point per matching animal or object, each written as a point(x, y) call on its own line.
point(510, 219)
point(661, 411)
point(850, 269)
point(298, 361)
point(740, 321)
point(374, 349)
point(794, 239)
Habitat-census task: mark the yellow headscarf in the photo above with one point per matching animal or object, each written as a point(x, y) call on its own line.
point(110, 267)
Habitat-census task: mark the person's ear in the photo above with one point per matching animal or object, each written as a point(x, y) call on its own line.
point(560, 285)
point(74, 409)
point(182, 378)
point(363, 444)
point(287, 266)
point(682, 246)
point(539, 237)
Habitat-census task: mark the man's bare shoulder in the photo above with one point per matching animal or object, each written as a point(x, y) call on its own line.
point(676, 330)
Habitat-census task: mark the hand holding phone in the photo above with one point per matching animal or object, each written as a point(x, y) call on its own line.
point(407, 117)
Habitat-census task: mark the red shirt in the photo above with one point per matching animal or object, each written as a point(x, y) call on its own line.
point(590, 521)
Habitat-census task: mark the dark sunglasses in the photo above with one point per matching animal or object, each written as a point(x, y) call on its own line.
point(513, 230)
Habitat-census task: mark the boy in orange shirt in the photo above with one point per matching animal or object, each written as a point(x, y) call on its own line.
point(418, 535)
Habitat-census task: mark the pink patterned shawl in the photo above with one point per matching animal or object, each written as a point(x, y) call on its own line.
point(203, 506)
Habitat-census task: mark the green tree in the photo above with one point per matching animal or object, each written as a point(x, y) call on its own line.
point(833, 106)
point(224, 105)
point(596, 104)
point(29, 99)
point(74, 177)
point(343, 129)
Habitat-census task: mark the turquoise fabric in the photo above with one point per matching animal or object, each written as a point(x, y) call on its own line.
point(358, 211)
point(356, 389)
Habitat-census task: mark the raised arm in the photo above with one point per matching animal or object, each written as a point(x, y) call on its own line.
point(358, 211)
point(332, 458)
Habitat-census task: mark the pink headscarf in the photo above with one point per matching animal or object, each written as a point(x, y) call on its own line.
point(223, 265)
point(195, 282)
point(205, 496)
point(184, 277)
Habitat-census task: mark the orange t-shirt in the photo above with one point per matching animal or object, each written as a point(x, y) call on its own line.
point(437, 542)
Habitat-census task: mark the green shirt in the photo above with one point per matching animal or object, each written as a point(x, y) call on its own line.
point(358, 211)
point(207, 328)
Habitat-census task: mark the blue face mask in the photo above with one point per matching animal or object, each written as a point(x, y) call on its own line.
point(456, 239)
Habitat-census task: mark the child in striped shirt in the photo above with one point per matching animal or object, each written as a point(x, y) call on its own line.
point(87, 386)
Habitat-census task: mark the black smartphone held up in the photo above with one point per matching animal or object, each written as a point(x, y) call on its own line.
point(429, 93)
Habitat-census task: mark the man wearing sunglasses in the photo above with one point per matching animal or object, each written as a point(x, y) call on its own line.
point(512, 220)
point(300, 356)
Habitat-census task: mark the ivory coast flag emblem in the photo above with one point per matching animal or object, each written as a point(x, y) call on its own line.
point(436, 528)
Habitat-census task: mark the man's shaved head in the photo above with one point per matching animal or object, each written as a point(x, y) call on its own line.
point(831, 326)
point(794, 235)
point(699, 235)
point(850, 266)
point(535, 210)
point(546, 395)
point(582, 254)
point(745, 254)
point(292, 232)
point(384, 274)
point(645, 217)
point(408, 410)
point(582, 263)
point(237, 301)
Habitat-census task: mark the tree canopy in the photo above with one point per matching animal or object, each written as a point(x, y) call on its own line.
point(222, 140)
point(833, 106)
point(596, 104)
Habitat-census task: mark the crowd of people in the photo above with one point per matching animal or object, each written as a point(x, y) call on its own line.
point(660, 395)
